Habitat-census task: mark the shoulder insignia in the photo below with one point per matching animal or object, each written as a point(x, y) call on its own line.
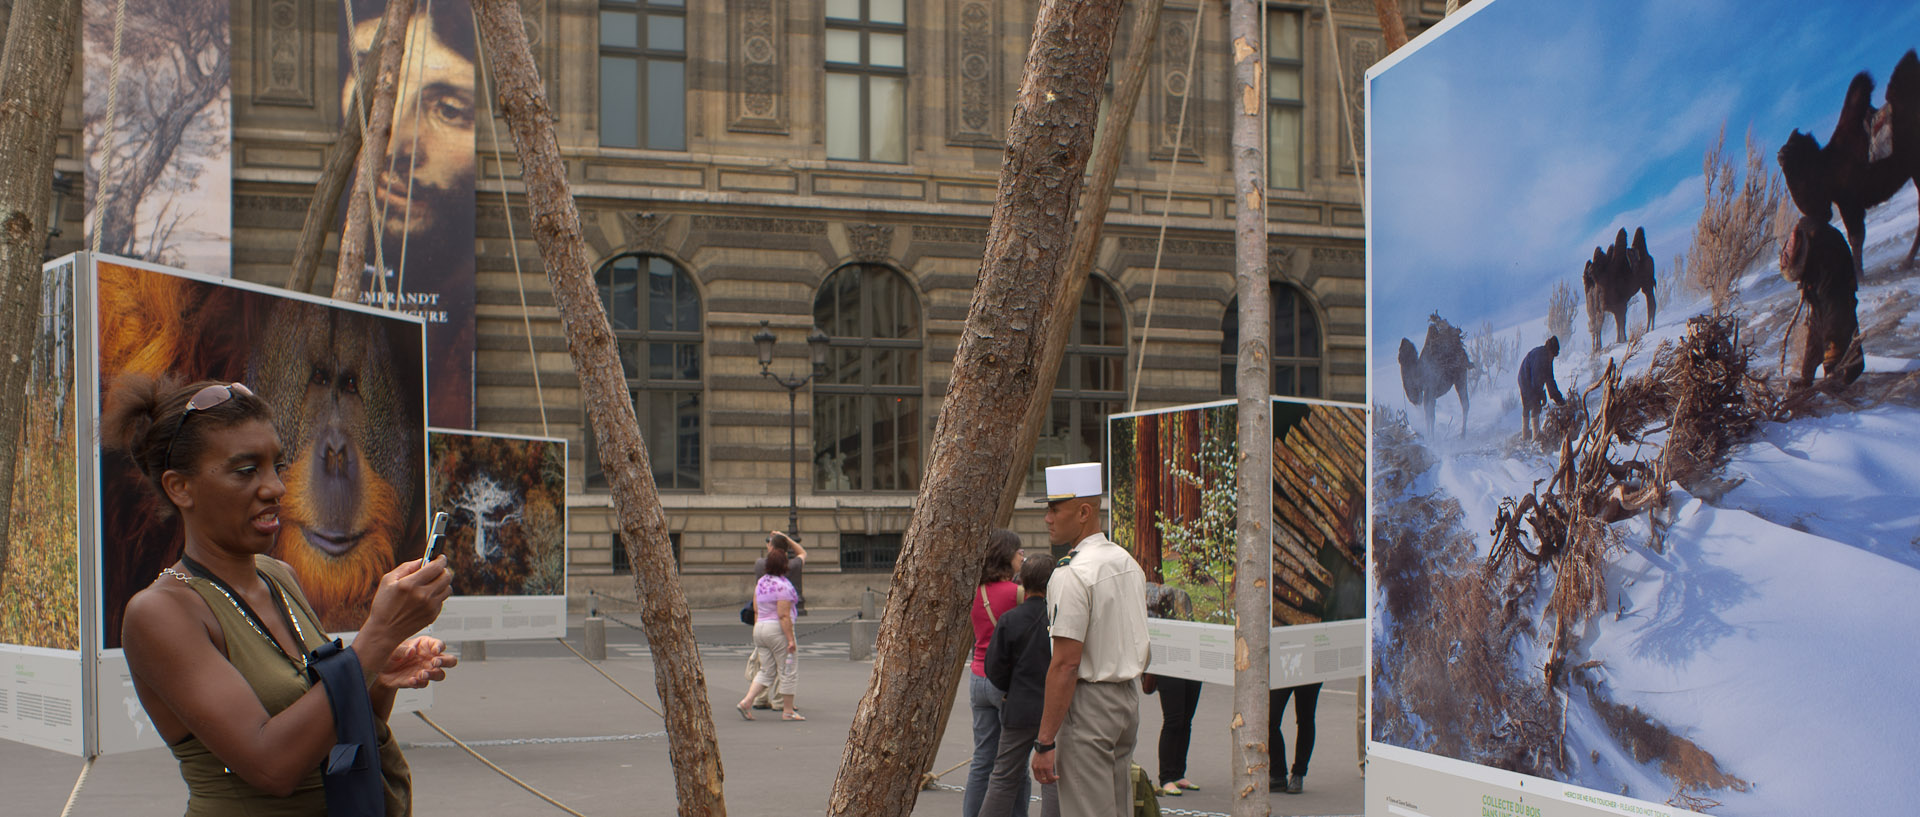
point(1064, 560)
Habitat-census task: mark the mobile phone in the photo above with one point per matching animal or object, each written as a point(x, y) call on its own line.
point(435, 536)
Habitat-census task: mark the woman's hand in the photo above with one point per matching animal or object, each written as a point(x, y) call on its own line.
point(408, 599)
point(792, 646)
point(416, 663)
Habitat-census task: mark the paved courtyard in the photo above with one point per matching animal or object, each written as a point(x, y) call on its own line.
point(548, 718)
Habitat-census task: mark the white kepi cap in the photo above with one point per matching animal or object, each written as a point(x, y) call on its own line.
point(1081, 479)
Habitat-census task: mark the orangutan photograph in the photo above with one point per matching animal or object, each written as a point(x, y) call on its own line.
point(346, 387)
point(1632, 558)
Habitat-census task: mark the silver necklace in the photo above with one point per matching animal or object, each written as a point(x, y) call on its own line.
point(299, 635)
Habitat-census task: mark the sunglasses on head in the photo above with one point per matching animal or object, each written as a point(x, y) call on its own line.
point(201, 401)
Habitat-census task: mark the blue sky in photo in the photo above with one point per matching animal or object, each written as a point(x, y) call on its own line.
point(1506, 149)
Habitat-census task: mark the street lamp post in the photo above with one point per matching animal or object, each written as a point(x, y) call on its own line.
point(817, 343)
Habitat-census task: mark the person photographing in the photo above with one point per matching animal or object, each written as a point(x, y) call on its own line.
point(227, 656)
point(1098, 619)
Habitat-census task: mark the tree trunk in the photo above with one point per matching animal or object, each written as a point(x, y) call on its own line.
point(995, 375)
point(678, 679)
point(356, 234)
point(1105, 166)
point(1391, 23)
point(34, 68)
point(324, 209)
point(1253, 562)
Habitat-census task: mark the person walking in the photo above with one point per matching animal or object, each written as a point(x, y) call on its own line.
point(1179, 697)
point(1098, 618)
point(1016, 665)
point(773, 641)
point(993, 597)
point(1305, 700)
point(796, 559)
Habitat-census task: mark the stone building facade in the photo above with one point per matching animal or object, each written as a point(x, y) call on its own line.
point(834, 163)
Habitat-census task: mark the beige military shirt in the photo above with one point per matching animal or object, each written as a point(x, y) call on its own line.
point(1098, 597)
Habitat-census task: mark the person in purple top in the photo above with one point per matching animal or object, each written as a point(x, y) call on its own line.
point(1536, 382)
point(773, 641)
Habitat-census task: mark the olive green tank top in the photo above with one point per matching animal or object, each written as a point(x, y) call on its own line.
point(212, 790)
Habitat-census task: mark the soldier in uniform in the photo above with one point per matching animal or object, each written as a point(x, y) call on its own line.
point(1098, 618)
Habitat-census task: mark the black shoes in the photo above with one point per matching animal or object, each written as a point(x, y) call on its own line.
point(1291, 785)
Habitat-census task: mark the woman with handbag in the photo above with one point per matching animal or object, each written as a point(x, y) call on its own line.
point(996, 594)
point(773, 641)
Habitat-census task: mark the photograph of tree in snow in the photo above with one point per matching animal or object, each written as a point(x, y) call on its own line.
point(1174, 506)
point(1666, 552)
point(506, 497)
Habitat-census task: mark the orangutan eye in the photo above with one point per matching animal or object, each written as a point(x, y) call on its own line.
point(350, 384)
point(319, 377)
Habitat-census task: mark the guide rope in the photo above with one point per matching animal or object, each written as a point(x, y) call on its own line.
point(1346, 107)
point(413, 153)
point(1166, 206)
point(603, 674)
point(442, 744)
point(506, 212)
point(77, 784)
point(496, 767)
point(113, 120)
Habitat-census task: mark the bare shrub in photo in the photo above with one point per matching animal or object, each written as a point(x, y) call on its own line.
point(1737, 223)
point(1561, 307)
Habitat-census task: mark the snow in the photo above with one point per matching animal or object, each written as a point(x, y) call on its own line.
point(1773, 623)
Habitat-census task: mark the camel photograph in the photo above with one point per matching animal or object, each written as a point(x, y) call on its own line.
point(1631, 589)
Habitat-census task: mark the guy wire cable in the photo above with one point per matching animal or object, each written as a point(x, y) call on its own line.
point(506, 212)
point(1166, 206)
point(413, 157)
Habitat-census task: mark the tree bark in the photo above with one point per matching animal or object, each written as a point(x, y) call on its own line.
point(995, 375)
point(1253, 563)
point(1105, 167)
point(324, 209)
point(1391, 23)
point(356, 234)
point(679, 679)
point(34, 68)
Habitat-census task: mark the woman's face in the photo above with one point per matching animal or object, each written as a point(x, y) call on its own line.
point(232, 492)
point(1019, 558)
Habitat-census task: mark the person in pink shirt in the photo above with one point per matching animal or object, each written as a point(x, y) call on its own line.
point(996, 594)
point(773, 642)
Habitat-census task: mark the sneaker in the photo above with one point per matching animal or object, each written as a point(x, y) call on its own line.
point(1294, 783)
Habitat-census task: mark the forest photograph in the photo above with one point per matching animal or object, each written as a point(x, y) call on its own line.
point(506, 503)
point(1646, 400)
point(39, 561)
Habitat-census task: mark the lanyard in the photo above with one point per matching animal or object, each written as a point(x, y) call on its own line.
point(246, 611)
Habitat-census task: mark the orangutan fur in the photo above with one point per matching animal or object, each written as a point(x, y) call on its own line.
point(328, 375)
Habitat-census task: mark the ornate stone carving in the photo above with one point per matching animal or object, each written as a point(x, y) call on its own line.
point(1176, 40)
point(1355, 6)
point(756, 67)
point(643, 230)
point(749, 224)
point(1362, 51)
point(1280, 262)
point(870, 242)
point(1177, 246)
point(973, 79)
point(282, 52)
point(1337, 255)
point(949, 235)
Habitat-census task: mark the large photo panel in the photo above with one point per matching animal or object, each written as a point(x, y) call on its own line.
point(505, 497)
point(1172, 475)
point(346, 387)
point(40, 625)
point(1646, 415)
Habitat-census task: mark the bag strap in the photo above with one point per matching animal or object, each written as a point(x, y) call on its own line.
point(991, 619)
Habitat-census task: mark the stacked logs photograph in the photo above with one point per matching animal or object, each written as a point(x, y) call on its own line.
point(1319, 504)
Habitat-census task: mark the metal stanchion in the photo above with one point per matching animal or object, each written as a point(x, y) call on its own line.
point(596, 638)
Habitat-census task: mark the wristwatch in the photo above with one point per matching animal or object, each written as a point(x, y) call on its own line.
point(1042, 748)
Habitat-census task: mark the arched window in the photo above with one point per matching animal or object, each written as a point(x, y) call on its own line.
point(866, 403)
point(1090, 386)
point(1295, 345)
point(655, 312)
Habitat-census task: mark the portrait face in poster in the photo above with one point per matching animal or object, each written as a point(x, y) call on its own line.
point(423, 200)
point(346, 391)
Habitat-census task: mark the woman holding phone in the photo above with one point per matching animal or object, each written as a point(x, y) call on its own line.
point(219, 644)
